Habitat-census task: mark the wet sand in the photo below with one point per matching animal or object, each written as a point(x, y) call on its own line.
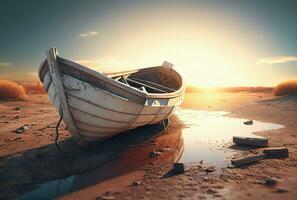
point(31, 158)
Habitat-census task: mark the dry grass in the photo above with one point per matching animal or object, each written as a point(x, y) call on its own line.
point(286, 88)
point(10, 90)
point(33, 87)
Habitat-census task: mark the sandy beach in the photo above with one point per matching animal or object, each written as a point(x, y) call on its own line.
point(121, 168)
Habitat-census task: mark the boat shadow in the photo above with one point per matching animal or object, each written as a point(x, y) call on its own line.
point(24, 171)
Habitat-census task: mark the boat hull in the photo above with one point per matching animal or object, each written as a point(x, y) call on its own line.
point(95, 113)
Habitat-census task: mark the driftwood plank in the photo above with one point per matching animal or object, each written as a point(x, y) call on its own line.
point(247, 160)
point(276, 152)
point(250, 141)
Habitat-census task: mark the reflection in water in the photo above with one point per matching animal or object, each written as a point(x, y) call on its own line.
point(202, 139)
point(207, 132)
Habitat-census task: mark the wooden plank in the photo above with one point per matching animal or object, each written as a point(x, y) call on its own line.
point(100, 98)
point(276, 152)
point(167, 89)
point(145, 85)
point(55, 71)
point(122, 73)
point(250, 141)
point(247, 160)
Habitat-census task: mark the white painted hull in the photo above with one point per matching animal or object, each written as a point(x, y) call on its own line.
point(97, 114)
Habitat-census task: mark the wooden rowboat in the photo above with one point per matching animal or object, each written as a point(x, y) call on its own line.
point(96, 106)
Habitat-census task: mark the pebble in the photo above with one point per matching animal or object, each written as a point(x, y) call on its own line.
point(248, 122)
point(154, 154)
point(210, 169)
point(135, 183)
point(211, 191)
point(179, 168)
point(281, 190)
point(17, 108)
point(270, 181)
point(16, 117)
point(22, 129)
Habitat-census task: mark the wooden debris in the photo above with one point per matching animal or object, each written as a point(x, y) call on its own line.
point(247, 160)
point(22, 129)
point(179, 168)
point(281, 190)
point(276, 152)
point(250, 141)
point(249, 122)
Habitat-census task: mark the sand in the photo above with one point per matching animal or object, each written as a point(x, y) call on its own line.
point(31, 158)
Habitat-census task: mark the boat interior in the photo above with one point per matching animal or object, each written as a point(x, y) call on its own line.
point(152, 80)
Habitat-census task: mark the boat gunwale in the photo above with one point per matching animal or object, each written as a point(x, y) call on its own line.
point(109, 80)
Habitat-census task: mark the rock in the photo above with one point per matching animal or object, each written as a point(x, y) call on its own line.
point(276, 152)
point(135, 183)
point(247, 160)
point(22, 129)
point(16, 117)
point(248, 122)
point(179, 168)
point(154, 154)
point(210, 169)
point(17, 108)
point(250, 141)
point(281, 190)
point(270, 181)
point(211, 191)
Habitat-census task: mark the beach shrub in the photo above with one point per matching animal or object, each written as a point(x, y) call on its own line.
point(10, 90)
point(35, 87)
point(286, 88)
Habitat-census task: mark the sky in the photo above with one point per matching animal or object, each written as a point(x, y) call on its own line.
point(210, 42)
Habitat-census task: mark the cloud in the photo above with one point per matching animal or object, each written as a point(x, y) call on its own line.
point(88, 34)
point(277, 60)
point(5, 64)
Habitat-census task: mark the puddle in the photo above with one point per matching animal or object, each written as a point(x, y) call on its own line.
point(208, 132)
point(204, 138)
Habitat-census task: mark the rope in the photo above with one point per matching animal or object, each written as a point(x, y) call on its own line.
point(57, 132)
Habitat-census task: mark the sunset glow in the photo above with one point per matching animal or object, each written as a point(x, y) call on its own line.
point(211, 44)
